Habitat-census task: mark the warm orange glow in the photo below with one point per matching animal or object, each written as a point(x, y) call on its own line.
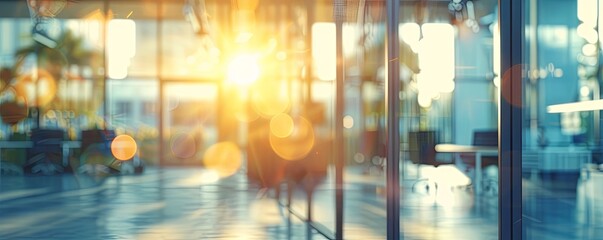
point(296, 145)
point(269, 99)
point(38, 88)
point(225, 158)
point(281, 125)
point(243, 69)
point(123, 147)
point(247, 4)
point(245, 115)
point(183, 145)
point(242, 108)
point(96, 15)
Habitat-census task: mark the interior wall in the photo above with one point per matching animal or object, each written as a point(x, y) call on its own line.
point(558, 46)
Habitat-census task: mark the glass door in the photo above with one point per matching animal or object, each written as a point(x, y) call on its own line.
point(448, 119)
point(561, 130)
point(432, 66)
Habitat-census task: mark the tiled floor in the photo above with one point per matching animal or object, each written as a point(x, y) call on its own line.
point(181, 203)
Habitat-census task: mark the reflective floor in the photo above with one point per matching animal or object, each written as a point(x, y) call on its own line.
point(449, 211)
point(159, 204)
point(563, 206)
point(182, 203)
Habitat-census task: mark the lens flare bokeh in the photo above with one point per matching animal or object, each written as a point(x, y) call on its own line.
point(123, 147)
point(281, 125)
point(269, 100)
point(224, 157)
point(38, 89)
point(183, 145)
point(296, 145)
point(246, 115)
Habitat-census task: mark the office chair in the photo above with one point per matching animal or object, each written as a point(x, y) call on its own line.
point(45, 157)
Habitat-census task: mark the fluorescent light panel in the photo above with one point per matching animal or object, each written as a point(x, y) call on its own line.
point(576, 106)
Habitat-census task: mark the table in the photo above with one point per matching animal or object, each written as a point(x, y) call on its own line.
point(65, 145)
point(477, 150)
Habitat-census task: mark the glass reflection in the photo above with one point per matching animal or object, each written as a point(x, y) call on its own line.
point(561, 133)
point(209, 119)
point(448, 119)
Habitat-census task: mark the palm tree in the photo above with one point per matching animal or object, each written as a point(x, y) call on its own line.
point(54, 62)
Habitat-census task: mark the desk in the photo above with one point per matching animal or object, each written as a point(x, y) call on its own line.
point(66, 146)
point(477, 150)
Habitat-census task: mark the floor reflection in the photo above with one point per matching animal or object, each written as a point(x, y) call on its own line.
point(173, 203)
point(449, 211)
point(189, 203)
point(563, 206)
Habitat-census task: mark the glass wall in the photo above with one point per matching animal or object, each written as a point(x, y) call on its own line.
point(561, 119)
point(364, 123)
point(448, 119)
point(52, 81)
point(133, 110)
point(254, 89)
point(64, 67)
point(132, 90)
